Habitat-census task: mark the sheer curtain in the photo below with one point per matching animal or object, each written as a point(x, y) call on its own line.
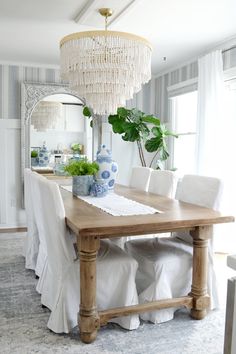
point(209, 113)
point(216, 146)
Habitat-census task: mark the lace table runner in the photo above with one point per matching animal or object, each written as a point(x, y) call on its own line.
point(117, 205)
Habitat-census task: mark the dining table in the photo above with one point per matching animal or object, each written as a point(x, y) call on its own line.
point(91, 224)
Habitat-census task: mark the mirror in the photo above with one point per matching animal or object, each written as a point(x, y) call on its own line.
point(51, 114)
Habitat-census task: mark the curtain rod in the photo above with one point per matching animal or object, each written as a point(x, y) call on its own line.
point(226, 50)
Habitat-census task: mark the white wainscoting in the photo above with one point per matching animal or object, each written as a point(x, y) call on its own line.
point(11, 212)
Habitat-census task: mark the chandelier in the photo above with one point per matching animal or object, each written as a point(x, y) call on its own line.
point(105, 67)
point(47, 115)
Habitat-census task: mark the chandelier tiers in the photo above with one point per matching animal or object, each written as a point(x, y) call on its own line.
point(47, 115)
point(105, 67)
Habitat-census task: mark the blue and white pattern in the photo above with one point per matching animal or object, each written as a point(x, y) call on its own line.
point(107, 168)
point(99, 188)
point(43, 156)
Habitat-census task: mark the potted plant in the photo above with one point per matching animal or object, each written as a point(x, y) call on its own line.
point(34, 158)
point(82, 173)
point(76, 148)
point(146, 130)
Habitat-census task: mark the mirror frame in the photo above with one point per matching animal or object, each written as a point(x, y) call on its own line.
point(31, 94)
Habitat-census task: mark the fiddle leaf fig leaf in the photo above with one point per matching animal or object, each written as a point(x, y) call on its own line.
point(86, 112)
point(117, 124)
point(131, 132)
point(152, 144)
point(123, 112)
point(164, 154)
point(152, 120)
point(157, 132)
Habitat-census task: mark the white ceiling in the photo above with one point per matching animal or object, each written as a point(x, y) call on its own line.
point(30, 30)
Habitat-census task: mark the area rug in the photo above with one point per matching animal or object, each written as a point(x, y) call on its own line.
point(23, 322)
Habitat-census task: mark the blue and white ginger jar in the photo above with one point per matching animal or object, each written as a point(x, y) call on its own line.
point(43, 156)
point(107, 167)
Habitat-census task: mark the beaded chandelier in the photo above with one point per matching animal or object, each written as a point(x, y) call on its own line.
point(47, 115)
point(105, 67)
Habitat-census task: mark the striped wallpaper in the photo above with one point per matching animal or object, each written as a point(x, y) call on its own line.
point(154, 96)
point(152, 99)
point(11, 77)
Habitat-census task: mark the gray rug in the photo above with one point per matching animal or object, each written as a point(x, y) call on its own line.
point(23, 322)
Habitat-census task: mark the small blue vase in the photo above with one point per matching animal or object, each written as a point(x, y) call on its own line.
point(107, 167)
point(99, 188)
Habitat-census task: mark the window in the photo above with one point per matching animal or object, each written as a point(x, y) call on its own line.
point(184, 120)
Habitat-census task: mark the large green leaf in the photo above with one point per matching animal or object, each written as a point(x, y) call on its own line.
point(157, 132)
point(123, 112)
point(86, 112)
point(131, 133)
point(151, 119)
point(117, 123)
point(153, 144)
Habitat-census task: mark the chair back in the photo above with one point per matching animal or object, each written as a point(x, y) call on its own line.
point(199, 190)
point(31, 246)
point(140, 178)
point(162, 182)
point(60, 250)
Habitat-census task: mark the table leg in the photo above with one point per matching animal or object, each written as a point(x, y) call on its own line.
point(88, 315)
point(201, 299)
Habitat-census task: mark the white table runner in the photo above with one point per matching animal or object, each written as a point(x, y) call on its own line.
point(117, 205)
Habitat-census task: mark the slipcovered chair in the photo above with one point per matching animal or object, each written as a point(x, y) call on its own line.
point(140, 178)
point(162, 182)
point(116, 270)
point(37, 209)
point(31, 244)
point(165, 264)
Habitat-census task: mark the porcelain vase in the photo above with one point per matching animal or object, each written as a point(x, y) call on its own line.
point(43, 156)
point(107, 167)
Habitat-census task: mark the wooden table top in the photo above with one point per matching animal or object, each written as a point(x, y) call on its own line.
point(86, 219)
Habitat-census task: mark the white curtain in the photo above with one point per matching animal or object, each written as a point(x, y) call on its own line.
point(216, 144)
point(209, 115)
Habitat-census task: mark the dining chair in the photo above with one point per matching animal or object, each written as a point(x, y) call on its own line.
point(165, 264)
point(140, 178)
point(116, 270)
point(31, 244)
point(230, 315)
point(37, 209)
point(162, 182)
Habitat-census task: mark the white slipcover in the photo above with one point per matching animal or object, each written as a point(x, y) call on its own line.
point(116, 270)
point(162, 182)
point(36, 201)
point(140, 180)
point(165, 264)
point(140, 177)
point(31, 245)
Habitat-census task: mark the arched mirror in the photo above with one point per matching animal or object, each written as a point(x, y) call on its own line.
point(51, 117)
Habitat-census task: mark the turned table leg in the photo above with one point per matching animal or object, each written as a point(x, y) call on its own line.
point(88, 315)
point(198, 292)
